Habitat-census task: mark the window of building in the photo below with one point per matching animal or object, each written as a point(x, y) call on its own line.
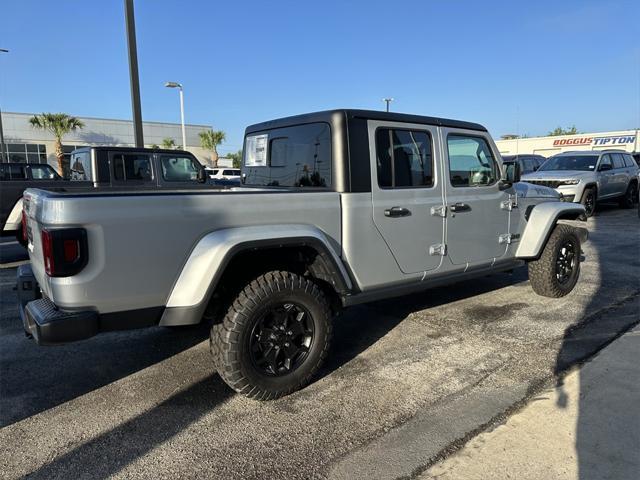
point(26, 152)
point(133, 167)
point(471, 163)
point(176, 168)
point(298, 156)
point(404, 158)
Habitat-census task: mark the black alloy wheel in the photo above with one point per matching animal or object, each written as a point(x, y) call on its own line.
point(565, 262)
point(281, 339)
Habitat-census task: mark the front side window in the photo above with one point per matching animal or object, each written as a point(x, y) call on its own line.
point(298, 156)
point(471, 163)
point(176, 168)
point(606, 160)
point(43, 172)
point(404, 158)
point(131, 167)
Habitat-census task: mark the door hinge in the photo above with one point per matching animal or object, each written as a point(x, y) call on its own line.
point(439, 211)
point(508, 238)
point(509, 204)
point(438, 249)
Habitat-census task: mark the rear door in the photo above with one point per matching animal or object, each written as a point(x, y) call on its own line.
point(476, 218)
point(406, 192)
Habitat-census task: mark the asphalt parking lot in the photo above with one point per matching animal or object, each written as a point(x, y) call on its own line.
point(409, 381)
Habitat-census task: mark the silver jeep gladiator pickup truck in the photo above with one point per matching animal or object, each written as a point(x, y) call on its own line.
point(335, 208)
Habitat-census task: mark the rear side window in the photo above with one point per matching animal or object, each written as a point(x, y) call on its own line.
point(131, 167)
point(618, 161)
point(628, 161)
point(404, 158)
point(471, 163)
point(176, 168)
point(12, 172)
point(230, 172)
point(298, 156)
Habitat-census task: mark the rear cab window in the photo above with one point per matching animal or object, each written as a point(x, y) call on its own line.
point(43, 172)
point(296, 156)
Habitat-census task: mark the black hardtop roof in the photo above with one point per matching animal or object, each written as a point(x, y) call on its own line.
point(132, 149)
point(23, 164)
point(327, 115)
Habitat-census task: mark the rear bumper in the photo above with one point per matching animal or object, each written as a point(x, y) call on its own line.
point(48, 324)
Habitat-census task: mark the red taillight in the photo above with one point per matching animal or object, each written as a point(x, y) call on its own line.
point(64, 251)
point(47, 252)
point(23, 222)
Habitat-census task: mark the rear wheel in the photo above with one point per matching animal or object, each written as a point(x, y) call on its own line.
point(556, 272)
point(274, 337)
point(589, 201)
point(629, 197)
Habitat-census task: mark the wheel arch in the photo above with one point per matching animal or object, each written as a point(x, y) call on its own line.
point(542, 219)
point(251, 251)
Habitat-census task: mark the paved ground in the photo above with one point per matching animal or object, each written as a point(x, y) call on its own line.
point(409, 381)
point(586, 428)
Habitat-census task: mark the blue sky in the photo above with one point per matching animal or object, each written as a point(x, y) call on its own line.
point(513, 66)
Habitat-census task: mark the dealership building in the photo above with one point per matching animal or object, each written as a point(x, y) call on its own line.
point(628, 140)
point(23, 143)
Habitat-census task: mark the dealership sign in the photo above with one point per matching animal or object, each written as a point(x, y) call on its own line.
point(584, 141)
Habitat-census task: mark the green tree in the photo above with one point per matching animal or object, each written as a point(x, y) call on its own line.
point(169, 143)
point(209, 140)
point(236, 158)
point(154, 146)
point(57, 124)
point(561, 131)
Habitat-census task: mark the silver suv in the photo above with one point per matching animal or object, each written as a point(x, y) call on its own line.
point(587, 177)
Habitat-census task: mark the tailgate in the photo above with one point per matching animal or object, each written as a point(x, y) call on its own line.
point(32, 204)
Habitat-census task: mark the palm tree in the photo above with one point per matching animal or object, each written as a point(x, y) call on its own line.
point(58, 124)
point(209, 140)
point(168, 143)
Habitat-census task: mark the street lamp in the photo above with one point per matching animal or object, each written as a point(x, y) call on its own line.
point(2, 50)
point(387, 101)
point(184, 133)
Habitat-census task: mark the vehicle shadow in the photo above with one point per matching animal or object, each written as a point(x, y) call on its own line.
point(34, 378)
point(360, 327)
point(607, 423)
point(109, 453)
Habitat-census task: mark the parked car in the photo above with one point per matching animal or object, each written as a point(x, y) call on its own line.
point(105, 168)
point(223, 173)
point(15, 178)
point(588, 177)
point(336, 208)
point(528, 162)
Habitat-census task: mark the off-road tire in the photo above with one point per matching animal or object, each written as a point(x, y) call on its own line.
point(230, 340)
point(542, 272)
point(589, 193)
point(629, 198)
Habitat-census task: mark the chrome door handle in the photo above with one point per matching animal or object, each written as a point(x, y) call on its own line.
point(397, 212)
point(460, 207)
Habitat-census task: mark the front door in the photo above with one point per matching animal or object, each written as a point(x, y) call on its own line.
point(406, 191)
point(606, 174)
point(475, 216)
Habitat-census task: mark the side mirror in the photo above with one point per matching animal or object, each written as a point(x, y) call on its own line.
point(510, 175)
point(202, 175)
point(604, 167)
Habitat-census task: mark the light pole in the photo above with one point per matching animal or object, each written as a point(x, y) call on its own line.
point(184, 133)
point(133, 73)
point(2, 50)
point(387, 101)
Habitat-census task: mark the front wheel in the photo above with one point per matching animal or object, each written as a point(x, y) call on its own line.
point(274, 337)
point(556, 272)
point(589, 201)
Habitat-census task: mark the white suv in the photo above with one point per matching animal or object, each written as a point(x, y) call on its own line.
point(590, 176)
point(224, 173)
